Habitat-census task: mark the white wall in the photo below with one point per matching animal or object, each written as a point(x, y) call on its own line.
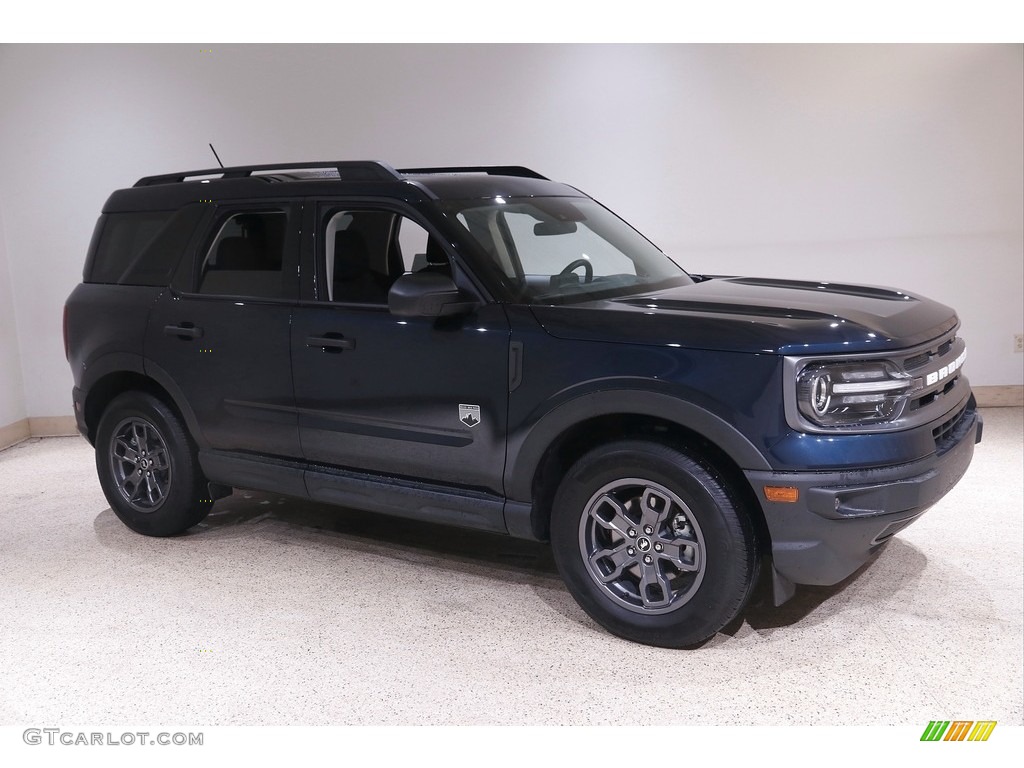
point(895, 165)
point(12, 396)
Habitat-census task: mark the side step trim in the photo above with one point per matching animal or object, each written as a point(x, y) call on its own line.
point(358, 490)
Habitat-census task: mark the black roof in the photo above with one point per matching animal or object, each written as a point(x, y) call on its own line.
point(371, 178)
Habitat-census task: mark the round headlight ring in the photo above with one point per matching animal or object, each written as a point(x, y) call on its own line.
point(821, 393)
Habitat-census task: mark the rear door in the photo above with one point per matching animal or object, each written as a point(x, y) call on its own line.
point(223, 339)
point(418, 398)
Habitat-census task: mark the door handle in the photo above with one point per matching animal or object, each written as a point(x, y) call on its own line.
point(331, 342)
point(183, 331)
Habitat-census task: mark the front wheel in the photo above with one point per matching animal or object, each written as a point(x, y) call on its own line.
point(653, 544)
point(148, 468)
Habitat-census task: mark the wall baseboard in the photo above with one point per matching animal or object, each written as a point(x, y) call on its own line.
point(37, 426)
point(996, 397)
point(14, 433)
point(1011, 396)
point(52, 426)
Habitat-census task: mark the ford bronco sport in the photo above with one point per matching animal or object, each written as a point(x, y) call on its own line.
point(487, 348)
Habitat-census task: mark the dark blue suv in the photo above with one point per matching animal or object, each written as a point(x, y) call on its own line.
point(487, 348)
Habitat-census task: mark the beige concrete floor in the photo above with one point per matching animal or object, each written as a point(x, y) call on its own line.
point(276, 611)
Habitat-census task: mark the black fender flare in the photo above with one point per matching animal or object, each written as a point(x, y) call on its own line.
point(527, 450)
point(119, 363)
point(167, 382)
point(92, 375)
point(109, 364)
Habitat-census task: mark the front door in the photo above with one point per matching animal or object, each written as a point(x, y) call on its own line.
point(418, 398)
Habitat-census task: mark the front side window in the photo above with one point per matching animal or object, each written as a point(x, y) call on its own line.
point(557, 250)
point(364, 251)
point(247, 255)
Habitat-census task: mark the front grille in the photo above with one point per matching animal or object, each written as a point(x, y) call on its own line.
point(934, 361)
point(947, 433)
point(917, 361)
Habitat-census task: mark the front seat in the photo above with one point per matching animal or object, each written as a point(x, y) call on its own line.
point(437, 259)
point(353, 280)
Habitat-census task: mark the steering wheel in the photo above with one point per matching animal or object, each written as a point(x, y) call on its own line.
point(588, 269)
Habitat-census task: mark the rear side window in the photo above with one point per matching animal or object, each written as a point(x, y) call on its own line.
point(247, 255)
point(141, 248)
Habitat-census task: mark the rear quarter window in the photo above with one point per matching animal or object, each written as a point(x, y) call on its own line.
point(140, 248)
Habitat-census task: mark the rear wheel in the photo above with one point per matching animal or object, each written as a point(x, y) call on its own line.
point(148, 468)
point(652, 543)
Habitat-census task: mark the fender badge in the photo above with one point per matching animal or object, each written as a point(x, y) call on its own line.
point(469, 414)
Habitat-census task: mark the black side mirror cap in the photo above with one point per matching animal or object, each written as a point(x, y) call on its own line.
point(428, 294)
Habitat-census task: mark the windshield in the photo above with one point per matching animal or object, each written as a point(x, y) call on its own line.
point(558, 250)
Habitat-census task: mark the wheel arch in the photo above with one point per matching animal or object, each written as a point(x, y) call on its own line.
point(115, 382)
point(563, 435)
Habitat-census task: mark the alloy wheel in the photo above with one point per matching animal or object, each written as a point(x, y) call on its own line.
point(139, 464)
point(642, 546)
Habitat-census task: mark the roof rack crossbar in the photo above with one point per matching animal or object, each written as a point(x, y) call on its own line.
point(491, 170)
point(350, 170)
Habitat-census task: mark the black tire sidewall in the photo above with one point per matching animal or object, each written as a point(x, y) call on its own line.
point(184, 504)
point(729, 545)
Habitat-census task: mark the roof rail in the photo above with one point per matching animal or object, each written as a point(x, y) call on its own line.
point(492, 170)
point(349, 170)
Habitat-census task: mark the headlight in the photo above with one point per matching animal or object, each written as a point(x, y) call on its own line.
point(853, 394)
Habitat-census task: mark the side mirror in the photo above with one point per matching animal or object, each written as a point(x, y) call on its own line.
point(428, 294)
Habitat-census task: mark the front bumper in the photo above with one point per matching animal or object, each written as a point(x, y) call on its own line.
point(841, 519)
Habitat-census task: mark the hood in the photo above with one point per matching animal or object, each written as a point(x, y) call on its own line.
point(744, 314)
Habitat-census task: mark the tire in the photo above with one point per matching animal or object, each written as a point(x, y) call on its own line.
point(653, 544)
point(158, 489)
